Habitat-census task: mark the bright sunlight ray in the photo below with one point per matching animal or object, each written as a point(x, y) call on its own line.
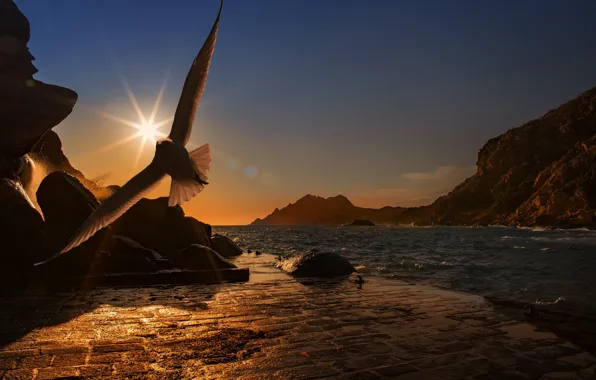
point(138, 157)
point(133, 100)
point(162, 123)
point(117, 119)
point(117, 143)
point(158, 101)
point(146, 129)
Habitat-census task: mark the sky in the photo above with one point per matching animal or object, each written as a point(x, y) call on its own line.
point(385, 101)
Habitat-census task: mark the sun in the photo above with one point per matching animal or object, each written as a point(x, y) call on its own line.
point(148, 131)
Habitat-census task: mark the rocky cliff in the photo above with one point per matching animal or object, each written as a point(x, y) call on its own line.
point(542, 173)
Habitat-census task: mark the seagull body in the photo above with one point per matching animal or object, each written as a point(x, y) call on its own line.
point(188, 169)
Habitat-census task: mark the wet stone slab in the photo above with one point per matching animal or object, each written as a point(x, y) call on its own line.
point(275, 327)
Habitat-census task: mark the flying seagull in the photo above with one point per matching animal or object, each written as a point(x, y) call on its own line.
point(188, 170)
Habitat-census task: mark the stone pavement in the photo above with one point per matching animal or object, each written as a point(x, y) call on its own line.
point(277, 328)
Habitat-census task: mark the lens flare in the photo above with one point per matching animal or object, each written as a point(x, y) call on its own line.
point(251, 172)
point(146, 129)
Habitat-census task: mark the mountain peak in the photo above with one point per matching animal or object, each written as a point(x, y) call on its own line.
point(341, 198)
point(316, 210)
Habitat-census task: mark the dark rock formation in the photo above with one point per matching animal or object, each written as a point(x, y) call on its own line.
point(124, 255)
point(333, 211)
point(28, 107)
point(48, 154)
point(199, 257)
point(225, 246)
point(64, 201)
point(316, 264)
point(66, 204)
point(360, 222)
point(161, 228)
point(21, 233)
point(70, 268)
point(26, 113)
point(541, 173)
point(15, 33)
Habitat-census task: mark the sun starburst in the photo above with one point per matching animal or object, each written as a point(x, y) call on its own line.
point(145, 129)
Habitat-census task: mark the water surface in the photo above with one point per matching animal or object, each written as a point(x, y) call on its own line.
point(556, 269)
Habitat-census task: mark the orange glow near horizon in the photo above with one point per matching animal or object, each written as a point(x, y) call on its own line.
point(216, 206)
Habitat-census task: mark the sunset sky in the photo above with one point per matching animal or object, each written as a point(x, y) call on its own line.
point(384, 101)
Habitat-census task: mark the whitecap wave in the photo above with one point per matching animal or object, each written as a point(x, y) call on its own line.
point(549, 302)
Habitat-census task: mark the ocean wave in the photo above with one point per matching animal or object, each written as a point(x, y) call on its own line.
point(549, 302)
point(522, 265)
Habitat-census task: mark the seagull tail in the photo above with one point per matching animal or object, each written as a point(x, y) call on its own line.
point(185, 190)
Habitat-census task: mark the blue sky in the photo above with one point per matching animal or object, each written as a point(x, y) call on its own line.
point(325, 96)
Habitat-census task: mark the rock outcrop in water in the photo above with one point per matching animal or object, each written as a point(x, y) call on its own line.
point(199, 257)
point(316, 264)
point(224, 246)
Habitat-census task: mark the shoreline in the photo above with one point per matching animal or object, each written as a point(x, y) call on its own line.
point(275, 326)
point(579, 328)
point(586, 228)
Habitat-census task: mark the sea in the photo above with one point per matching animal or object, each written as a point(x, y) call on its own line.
point(555, 269)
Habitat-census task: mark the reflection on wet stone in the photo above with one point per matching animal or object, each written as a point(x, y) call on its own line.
point(276, 328)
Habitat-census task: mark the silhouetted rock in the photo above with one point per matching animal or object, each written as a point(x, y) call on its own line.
point(103, 254)
point(541, 173)
point(332, 211)
point(124, 255)
point(66, 267)
point(360, 222)
point(66, 204)
point(225, 246)
point(316, 264)
point(203, 228)
point(28, 108)
point(199, 257)
point(21, 233)
point(49, 157)
point(161, 228)
point(25, 171)
point(65, 201)
point(15, 59)
point(49, 151)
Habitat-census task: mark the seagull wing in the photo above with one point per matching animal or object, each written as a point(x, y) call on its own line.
point(114, 206)
point(193, 88)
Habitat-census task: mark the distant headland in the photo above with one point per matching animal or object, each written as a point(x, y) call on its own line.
point(542, 173)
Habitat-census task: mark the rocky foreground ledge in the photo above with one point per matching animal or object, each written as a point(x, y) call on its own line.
point(275, 327)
